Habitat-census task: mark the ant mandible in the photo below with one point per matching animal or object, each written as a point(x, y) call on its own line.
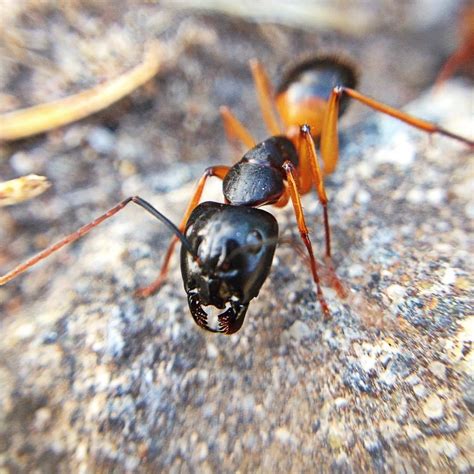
point(227, 249)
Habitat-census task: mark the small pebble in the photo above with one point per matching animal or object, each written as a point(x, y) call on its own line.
point(340, 403)
point(436, 196)
point(284, 436)
point(299, 330)
point(42, 419)
point(202, 451)
point(433, 407)
point(212, 351)
point(438, 370)
point(420, 390)
point(101, 140)
point(449, 277)
point(412, 432)
point(396, 292)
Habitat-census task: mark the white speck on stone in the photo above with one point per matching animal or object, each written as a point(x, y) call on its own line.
point(389, 430)
point(23, 163)
point(438, 370)
point(101, 378)
point(345, 195)
point(299, 330)
point(412, 379)
point(284, 436)
point(420, 390)
point(412, 432)
point(364, 170)
point(340, 403)
point(367, 363)
point(25, 331)
point(131, 463)
point(467, 332)
point(433, 408)
point(363, 196)
point(436, 196)
point(101, 140)
point(355, 270)
point(81, 451)
point(449, 277)
point(388, 378)
point(42, 419)
point(203, 375)
point(212, 351)
point(415, 196)
point(248, 403)
point(202, 451)
point(396, 292)
point(450, 449)
point(400, 151)
point(469, 210)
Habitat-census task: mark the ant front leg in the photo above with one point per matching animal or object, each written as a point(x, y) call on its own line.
point(329, 138)
point(217, 171)
point(290, 171)
point(87, 228)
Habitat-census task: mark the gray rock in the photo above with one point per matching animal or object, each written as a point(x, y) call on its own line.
point(92, 378)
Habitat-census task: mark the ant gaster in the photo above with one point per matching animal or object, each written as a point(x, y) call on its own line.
point(227, 249)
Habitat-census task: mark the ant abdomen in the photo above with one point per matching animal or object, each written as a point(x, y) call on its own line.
point(302, 96)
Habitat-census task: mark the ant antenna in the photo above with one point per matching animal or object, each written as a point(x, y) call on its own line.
point(161, 217)
point(86, 228)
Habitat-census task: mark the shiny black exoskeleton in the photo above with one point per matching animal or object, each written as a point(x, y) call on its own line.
point(235, 242)
point(235, 246)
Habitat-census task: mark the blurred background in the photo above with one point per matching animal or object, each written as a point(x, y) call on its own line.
point(156, 142)
point(166, 133)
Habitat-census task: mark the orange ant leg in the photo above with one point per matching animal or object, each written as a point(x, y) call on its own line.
point(307, 154)
point(465, 52)
point(461, 56)
point(219, 172)
point(235, 130)
point(87, 228)
point(291, 177)
point(329, 139)
point(265, 97)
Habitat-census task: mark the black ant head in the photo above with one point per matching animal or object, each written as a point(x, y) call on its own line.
point(234, 246)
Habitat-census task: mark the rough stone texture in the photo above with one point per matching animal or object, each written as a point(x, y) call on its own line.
point(93, 379)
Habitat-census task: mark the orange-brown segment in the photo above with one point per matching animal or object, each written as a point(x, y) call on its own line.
point(265, 97)
point(298, 208)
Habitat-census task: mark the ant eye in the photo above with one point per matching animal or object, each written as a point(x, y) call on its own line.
point(254, 241)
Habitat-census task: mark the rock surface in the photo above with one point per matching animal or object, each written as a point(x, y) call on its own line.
point(92, 379)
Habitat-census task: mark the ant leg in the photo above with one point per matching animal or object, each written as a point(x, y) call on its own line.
point(87, 228)
point(265, 97)
point(465, 52)
point(461, 56)
point(329, 139)
point(219, 172)
point(234, 129)
point(298, 208)
point(307, 154)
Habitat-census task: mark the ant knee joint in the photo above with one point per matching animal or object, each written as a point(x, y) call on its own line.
point(305, 129)
point(288, 166)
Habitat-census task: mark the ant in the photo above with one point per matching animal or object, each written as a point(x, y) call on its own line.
point(227, 249)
